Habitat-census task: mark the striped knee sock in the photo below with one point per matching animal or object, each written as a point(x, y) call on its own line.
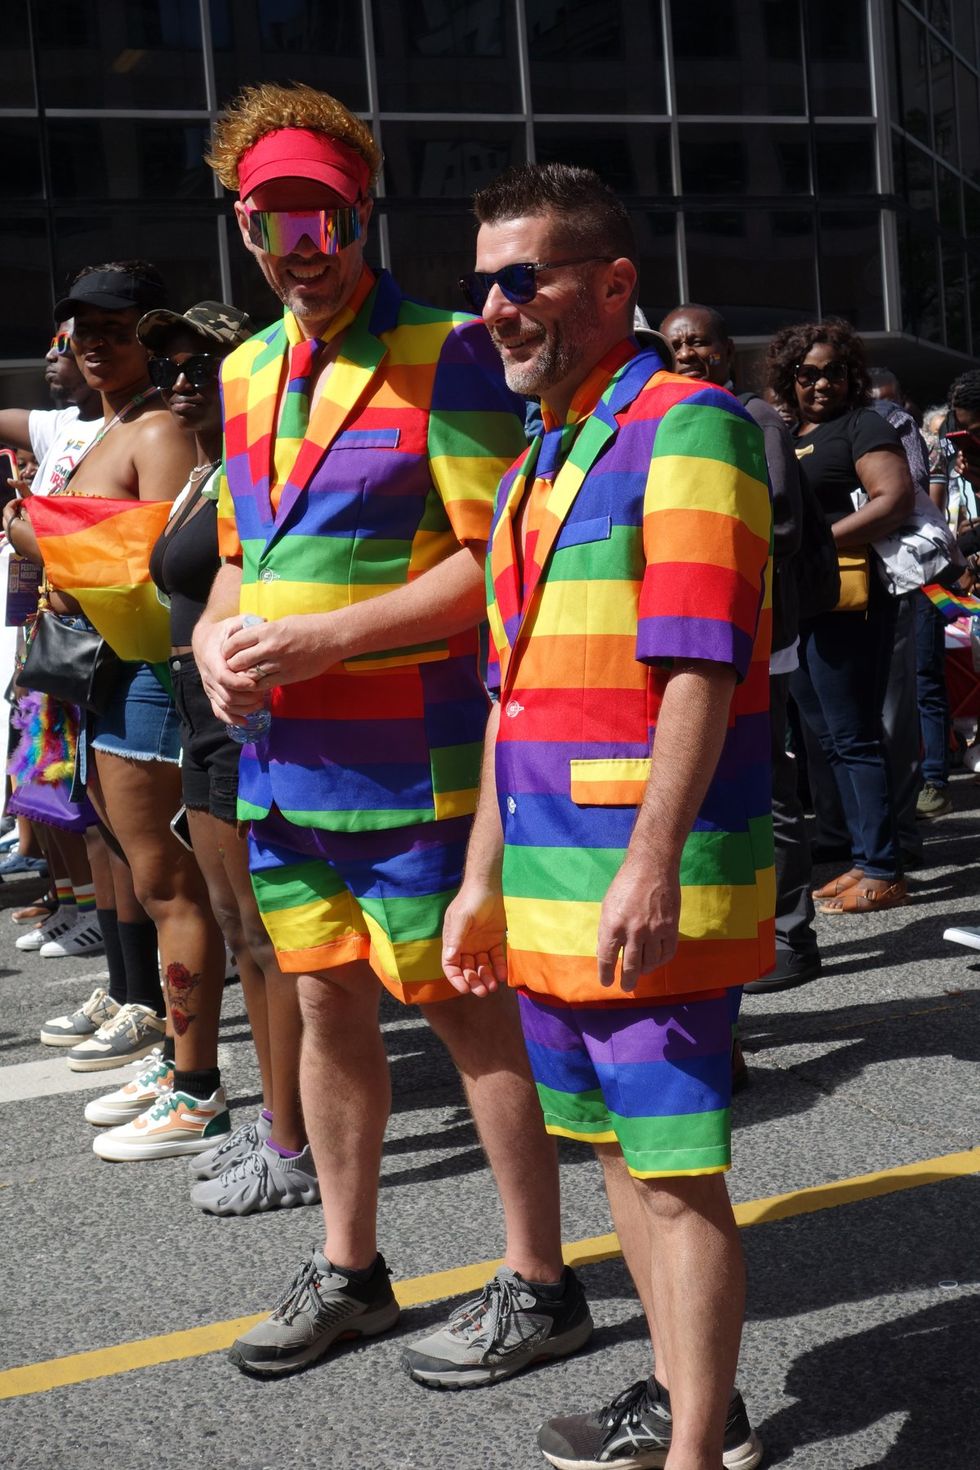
point(84, 897)
point(64, 892)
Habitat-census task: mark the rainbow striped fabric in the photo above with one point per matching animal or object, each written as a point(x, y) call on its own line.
point(650, 544)
point(951, 603)
point(98, 549)
point(395, 472)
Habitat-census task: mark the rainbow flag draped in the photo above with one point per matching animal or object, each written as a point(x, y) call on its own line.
point(952, 605)
point(98, 550)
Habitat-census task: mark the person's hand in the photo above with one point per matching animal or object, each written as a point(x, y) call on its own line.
point(639, 919)
point(282, 652)
point(473, 941)
point(233, 696)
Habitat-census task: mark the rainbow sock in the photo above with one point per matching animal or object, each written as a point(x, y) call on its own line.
point(85, 897)
point(64, 892)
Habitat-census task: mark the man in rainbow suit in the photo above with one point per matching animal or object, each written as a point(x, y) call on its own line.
point(620, 870)
point(364, 438)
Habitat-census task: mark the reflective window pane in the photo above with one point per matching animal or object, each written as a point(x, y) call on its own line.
point(968, 111)
point(16, 71)
point(445, 161)
point(432, 250)
point(850, 268)
point(26, 272)
point(837, 58)
point(964, 28)
point(596, 56)
point(745, 58)
point(446, 56)
point(744, 158)
point(290, 41)
point(954, 298)
point(93, 159)
point(656, 239)
point(633, 160)
point(845, 160)
point(949, 196)
point(914, 175)
point(120, 53)
point(938, 12)
point(912, 62)
point(20, 177)
point(943, 102)
point(919, 271)
point(182, 244)
point(757, 266)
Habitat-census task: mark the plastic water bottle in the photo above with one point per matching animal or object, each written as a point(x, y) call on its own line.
point(256, 725)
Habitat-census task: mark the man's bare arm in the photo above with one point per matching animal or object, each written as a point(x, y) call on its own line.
point(641, 911)
point(15, 427)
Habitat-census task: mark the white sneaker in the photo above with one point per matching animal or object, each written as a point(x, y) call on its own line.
point(132, 1033)
point(91, 1014)
point(50, 928)
point(154, 1079)
point(175, 1124)
point(84, 937)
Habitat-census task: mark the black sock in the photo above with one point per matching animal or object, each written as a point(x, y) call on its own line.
point(199, 1084)
point(169, 1049)
point(139, 947)
point(363, 1275)
point(552, 1291)
point(109, 924)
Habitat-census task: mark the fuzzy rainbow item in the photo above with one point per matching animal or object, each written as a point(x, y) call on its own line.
point(49, 738)
point(952, 605)
point(98, 550)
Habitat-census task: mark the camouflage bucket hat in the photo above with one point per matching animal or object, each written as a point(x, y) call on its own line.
point(213, 320)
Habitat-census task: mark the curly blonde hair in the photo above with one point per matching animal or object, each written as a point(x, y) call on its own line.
point(267, 108)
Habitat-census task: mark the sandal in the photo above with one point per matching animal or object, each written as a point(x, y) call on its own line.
point(863, 899)
point(840, 885)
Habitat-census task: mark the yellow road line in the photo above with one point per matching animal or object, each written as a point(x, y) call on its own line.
point(195, 1342)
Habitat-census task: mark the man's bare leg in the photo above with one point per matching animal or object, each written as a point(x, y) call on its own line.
point(346, 1096)
point(484, 1039)
point(632, 1221)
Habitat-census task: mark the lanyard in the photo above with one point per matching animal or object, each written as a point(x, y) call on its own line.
point(127, 408)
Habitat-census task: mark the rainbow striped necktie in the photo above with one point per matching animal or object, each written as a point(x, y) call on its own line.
point(295, 417)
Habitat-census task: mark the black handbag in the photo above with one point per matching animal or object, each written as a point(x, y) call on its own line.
point(75, 665)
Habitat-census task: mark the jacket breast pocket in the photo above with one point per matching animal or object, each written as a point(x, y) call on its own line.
point(617, 782)
point(366, 439)
point(580, 533)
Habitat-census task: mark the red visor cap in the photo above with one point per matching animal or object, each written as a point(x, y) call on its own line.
point(300, 153)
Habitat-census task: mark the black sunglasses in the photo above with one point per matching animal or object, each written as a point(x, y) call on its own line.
point(809, 377)
point(518, 282)
point(199, 371)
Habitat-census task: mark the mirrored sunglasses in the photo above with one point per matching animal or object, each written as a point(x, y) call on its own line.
point(809, 377)
point(280, 231)
point(61, 343)
point(199, 371)
point(518, 282)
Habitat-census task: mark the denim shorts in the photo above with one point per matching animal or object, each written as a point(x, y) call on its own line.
point(140, 721)
point(209, 769)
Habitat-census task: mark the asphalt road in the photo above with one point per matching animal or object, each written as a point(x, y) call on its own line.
point(860, 1347)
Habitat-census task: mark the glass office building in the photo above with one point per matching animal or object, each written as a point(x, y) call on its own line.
point(782, 158)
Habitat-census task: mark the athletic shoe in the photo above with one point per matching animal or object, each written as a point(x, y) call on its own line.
point(261, 1180)
point(505, 1329)
point(238, 1145)
point(52, 927)
point(319, 1306)
point(83, 938)
point(963, 935)
point(176, 1124)
point(154, 1079)
point(132, 1033)
point(14, 863)
point(91, 1014)
point(633, 1433)
point(932, 801)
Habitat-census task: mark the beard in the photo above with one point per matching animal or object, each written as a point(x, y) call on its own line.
point(562, 347)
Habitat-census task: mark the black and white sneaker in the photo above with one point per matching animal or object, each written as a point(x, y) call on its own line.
point(320, 1306)
point(83, 938)
point(633, 1433)
point(505, 1329)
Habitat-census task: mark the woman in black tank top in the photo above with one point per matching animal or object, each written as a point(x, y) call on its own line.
point(187, 358)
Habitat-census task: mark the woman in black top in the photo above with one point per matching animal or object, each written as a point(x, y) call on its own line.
point(249, 1171)
point(843, 447)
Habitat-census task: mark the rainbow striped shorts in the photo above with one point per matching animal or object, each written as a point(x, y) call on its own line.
point(328, 898)
point(656, 1079)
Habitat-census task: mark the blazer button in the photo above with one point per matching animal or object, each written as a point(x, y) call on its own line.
point(514, 709)
point(511, 805)
point(269, 575)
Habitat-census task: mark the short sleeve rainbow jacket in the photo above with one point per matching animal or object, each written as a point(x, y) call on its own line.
point(653, 546)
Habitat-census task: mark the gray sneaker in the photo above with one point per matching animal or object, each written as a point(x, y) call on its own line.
point(505, 1329)
point(238, 1145)
point(261, 1180)
point(319, 1306)
point(91, 1014)
point(132, 1032)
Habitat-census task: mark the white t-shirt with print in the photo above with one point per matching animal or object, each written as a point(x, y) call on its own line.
point(58, 439)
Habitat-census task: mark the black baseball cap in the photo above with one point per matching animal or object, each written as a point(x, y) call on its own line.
point(113, 291)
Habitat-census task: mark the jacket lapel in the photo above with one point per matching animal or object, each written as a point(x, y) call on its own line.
point(503, 557)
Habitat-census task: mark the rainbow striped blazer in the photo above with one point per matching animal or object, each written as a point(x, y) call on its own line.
point(654, 546)
point(397, 470)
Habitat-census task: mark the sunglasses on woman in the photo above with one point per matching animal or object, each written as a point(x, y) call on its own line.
point(280, 231)
point(809, 377)
point(517, 282)
point(200, 371)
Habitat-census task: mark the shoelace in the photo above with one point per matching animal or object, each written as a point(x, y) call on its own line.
point(303, 1284)
point(94, 1003)
point(626, 1408)
point(244, 1133)
point(253, 1163)
point(498, 1302)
